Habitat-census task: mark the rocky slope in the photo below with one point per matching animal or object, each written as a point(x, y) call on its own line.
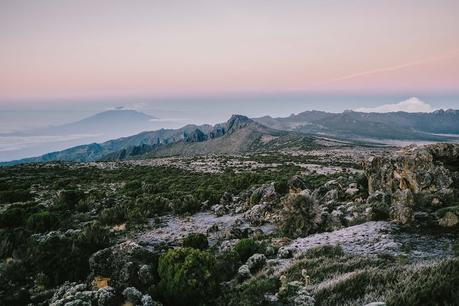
point(419, 183)
point(238, 134)
point(350, 124)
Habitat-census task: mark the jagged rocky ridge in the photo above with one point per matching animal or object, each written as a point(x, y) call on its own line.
point(350, 124)
point(238, 134)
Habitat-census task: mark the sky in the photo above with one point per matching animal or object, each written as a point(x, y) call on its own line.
point(67, 51)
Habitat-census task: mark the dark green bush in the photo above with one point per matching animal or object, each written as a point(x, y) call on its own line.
point(432, 285)
point(94, 237)
point(281, 187)
point(114, 215)
point(297, 218)
point(12, 217)
point(246, 248)
point(69, 198)
point(187, 277)
point(42, 221)
point(196, 241)
point(151, 206)
point(12, 196)
point(227, 264)
point(186, 205)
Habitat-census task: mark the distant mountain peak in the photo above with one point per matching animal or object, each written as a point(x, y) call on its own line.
point(410, 105)
point(237, 122)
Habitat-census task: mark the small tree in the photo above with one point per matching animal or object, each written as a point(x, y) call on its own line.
point(298, 214)
point(246, 248)
point(187, 277)
point(196, 241)
point(42, 221)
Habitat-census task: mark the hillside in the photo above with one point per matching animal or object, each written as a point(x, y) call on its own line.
point(350, 124)
point(238, 134)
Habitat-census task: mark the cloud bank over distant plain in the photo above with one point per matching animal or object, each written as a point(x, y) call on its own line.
point(411, 105)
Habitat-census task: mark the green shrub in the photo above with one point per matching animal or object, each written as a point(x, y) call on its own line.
point(186, 205)
point(113, 215)
point(13, 196)
point(135, 217)
point(196, 241)
point(246, 248)
point(255, 197)
point(94, 237)
point(253, 293)
point(187, 277)
point(227, 264)
point(297, 217)
point(432, 285)
point(281, 187)
point(151, 206)
point(12, 217)
point(69, 198)
point(42, 221)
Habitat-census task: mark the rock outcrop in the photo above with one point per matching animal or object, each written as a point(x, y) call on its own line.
point(417, 178)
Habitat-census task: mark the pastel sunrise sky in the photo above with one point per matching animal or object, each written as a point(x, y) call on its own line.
point(55, 48)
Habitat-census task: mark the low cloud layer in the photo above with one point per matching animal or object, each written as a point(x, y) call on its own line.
point(412, 105)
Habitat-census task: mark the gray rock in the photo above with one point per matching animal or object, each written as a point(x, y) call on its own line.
point(244, 272)
point(132, 295)
point(256, 261)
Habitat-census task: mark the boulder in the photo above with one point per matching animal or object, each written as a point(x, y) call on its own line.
point(125, 264)
point(402, 206)
point(418, 179)
point(244, 272)
point(256, 262)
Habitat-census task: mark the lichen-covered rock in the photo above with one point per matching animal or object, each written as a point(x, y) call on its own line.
point(244, 272)
point(132, 295)
point(419, 180)
point(402, 206)
point(121, 263)
point(81, 294)
point(264, 194)
point(416, 168)
point(256, 262)
point(450, 219)
point(379, 205)
point(284, 253)
point(258, 214)
point(297, 184)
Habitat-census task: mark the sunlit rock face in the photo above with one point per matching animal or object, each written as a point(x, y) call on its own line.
point(419, 179)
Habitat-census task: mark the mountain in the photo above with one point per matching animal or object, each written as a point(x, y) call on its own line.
point(379, 126)
point(238, 134)
point(110, 122)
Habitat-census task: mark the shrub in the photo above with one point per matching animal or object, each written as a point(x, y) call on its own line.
point(69, 198)
point(187, 277)
point(135, 217)
point(61, 258)
point(432, 285)
point(227, 264)
point(113, 215)
point(42, 221)
point(151, 206)
point(12, 196)
point(297, 217)
point(94, 237)
point(246, 248)
point(186, 204)
point(281, 187)
point(196, 241)
point(12, 217)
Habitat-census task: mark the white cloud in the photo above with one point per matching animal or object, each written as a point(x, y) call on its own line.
point(412, 105)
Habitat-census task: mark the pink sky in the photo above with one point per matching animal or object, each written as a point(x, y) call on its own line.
point(108, 48)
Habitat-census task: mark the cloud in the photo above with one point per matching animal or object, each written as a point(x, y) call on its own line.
point(412, 105)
